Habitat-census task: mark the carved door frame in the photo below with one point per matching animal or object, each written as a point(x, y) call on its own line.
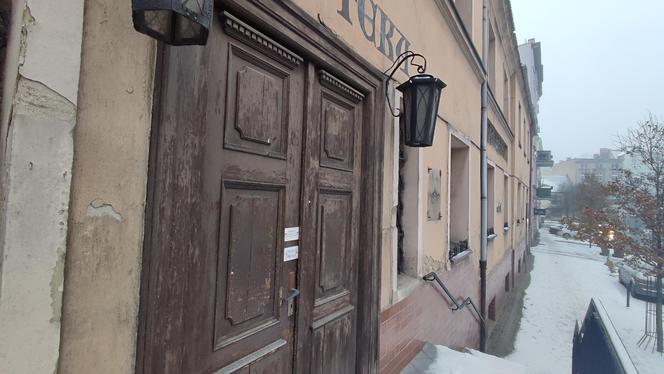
point(286, 23)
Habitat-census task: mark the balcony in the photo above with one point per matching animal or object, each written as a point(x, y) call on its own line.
point(544, 159)
point(544, 192)
point(540, 212)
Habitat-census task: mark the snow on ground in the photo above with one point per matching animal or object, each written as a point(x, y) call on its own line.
point(436, 359)
point(566, 275)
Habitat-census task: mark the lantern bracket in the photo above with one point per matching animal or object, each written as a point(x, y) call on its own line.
point(421, 68)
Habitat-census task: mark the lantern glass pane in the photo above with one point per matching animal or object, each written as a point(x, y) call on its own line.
point(193, 6)
point(186, 29)
point(423, 112)
point(409, 133)
point(157, 21)
point(421, 100)
point(177, 22)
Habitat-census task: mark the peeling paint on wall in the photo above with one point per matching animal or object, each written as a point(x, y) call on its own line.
point(57, 279)
point(40, 92)
point(433, 264)
point(100, 209)
point(28, 20)
point(35, 98)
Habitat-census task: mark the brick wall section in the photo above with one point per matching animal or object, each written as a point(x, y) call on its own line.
point(425, 316)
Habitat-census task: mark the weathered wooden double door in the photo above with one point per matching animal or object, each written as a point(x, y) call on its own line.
point(251, 141)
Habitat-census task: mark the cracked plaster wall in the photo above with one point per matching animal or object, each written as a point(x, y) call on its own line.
point(39, 114)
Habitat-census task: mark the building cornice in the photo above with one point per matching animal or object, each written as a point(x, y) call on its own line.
point(510, 49)
point(534, 125)
point(462, 37)
point(520, 71)
point(503, 27)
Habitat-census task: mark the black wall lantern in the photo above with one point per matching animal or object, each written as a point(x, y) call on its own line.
point(421, 97)
point(176, 22)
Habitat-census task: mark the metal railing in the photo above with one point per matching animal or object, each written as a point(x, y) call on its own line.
point(457, 306)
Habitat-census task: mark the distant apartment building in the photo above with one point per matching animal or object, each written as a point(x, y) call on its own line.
point(531, 59)
point(632, 163)
point(605, 165)
point(530, 54)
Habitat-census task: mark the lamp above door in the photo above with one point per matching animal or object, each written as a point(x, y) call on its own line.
point(175, 22)
point(421, 98)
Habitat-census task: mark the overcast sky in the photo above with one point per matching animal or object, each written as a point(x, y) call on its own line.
point(603, 68)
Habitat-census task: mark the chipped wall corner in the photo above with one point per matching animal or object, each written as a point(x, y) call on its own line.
point(40, 89)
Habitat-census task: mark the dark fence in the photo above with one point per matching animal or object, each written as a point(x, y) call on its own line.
point(597, 346)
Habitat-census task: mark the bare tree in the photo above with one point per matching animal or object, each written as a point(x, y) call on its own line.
point(641, 195)
point(591, 201)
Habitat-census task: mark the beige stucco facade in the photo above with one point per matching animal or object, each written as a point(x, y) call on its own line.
point(107, 206)
point(451, 58)
point(79, 137)
point(567, 167)
point(77, 112)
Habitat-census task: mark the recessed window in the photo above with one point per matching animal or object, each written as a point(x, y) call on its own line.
point(492, 58)
point(506, 95)
point(517, 203)
point(491, 200)
point(459, 196)
point(518, 125)
point(506, 202)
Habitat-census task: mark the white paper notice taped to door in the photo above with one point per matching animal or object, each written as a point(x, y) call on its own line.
point(291, 233)
point(291, 253)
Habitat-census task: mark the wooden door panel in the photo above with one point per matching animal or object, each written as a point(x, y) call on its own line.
point(334, 223)
point(259, 171)
point(337, 138)
point(175, 255)
point(257, 95)
point(250, 256)
point(272, 358)
point(226, 184)
point(331, 240)
point(334, 341)
point(232, 171)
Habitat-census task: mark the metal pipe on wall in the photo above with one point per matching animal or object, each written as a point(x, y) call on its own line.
point(483, 171)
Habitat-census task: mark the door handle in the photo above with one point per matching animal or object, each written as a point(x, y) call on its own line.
point(292, 294)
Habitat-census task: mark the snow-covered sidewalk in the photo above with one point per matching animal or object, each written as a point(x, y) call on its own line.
point(565, 277)
point(436, 359)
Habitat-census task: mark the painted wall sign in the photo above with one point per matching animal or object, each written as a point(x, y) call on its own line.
point(291, 233)
point(291, 253)
point(433, 201)
point(377, 28)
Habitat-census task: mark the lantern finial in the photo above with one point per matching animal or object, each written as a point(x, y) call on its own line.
point(421, 98)
point(421, 68)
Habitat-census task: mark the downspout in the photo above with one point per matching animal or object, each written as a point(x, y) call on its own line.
point(483, 171)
